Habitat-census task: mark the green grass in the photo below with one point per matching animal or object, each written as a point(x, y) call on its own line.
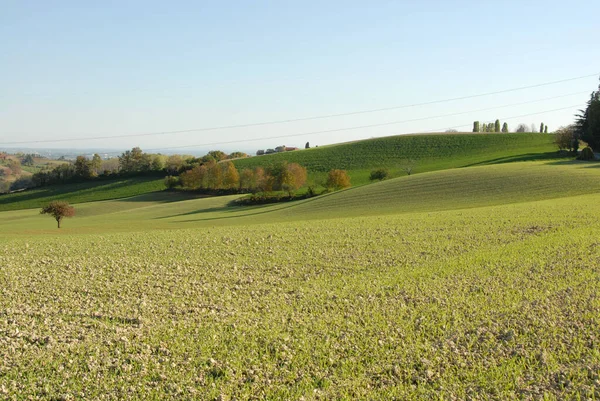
point(81, 192)
point(470, 283)
point(434, 191)
point(491, 302)
point(432, 152)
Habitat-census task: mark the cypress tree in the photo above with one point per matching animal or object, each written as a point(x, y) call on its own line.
point(541, 128)
point(475, 126)
point(497, 126)
point(505, 128)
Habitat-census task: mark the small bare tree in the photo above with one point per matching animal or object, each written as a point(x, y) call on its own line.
point(408, 165)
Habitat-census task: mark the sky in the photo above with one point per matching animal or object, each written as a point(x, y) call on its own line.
point(71, 71)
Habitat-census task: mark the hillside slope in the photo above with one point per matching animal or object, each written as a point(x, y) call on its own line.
point(429, 192)
point(431, 151)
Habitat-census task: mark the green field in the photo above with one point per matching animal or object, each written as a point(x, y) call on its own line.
point(431, 152)
point(88, 191)
point(472, 283)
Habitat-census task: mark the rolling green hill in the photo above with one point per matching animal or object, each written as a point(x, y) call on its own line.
point(89, 191)
point(466, 188)
point(474, 283)
point(431, 152)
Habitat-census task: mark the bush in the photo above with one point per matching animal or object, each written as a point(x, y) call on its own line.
point(337, 179)
point(565, 138)
point(171, 181)
point(379, 174)
point(586, 154)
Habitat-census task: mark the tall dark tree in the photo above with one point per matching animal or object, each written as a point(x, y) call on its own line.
point(588, 121)
point(505, 127)
point(497, 126)
point(541, 128)
point(545, 129)
point(475, 126)
point(83, 167)
point(307, 146)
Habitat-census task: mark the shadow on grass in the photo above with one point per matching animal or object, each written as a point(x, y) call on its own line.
point(272, 207)
point(64, 190)
point(522, 158)
point(164, 196)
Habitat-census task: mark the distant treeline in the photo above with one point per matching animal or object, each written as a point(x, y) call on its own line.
point(495, 127)
point(129, 163)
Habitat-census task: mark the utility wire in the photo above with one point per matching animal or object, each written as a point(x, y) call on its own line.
point(503, 119)
point(357, 127)
point(216, 128)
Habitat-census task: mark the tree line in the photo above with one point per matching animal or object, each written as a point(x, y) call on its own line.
point(130, 162)
point(213, 176)
point(495, 127)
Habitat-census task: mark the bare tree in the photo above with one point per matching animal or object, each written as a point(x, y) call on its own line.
point(408, 165)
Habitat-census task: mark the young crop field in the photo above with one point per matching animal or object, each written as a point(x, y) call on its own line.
point(431, 152)
point(498, 299)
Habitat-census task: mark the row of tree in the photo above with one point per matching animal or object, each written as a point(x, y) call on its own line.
point(130, 162)
point(213, 176)
point(495, 127)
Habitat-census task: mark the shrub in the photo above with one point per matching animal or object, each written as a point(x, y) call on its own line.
point(171, 181)
point(586, 154)
point(379, 174)
point(565, 138)
point(337, 179)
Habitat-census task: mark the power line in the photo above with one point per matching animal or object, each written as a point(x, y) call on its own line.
point(508, 118)
point(358, 127)
point(303, 118)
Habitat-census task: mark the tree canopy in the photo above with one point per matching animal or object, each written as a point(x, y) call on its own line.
point(588, 121)
point(58, 210)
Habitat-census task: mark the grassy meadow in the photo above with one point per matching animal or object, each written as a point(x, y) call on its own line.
point(430, 152)
point(87, 191)
point(472, 283)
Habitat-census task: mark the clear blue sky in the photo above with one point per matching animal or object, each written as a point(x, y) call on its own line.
point(78, 69)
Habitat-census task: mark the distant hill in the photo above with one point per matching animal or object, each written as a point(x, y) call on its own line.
point(431, 152)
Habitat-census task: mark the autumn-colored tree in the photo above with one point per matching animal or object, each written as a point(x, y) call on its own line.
point(237, 155)
point(337, 179)
point(294, 179)
point(231, 177)
point(217, 155)
point(15, 166)
point(174, 164)
point(214, 176)
point(193, 178)
point(263, 181)
point(58, 210)
point(247, 179)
